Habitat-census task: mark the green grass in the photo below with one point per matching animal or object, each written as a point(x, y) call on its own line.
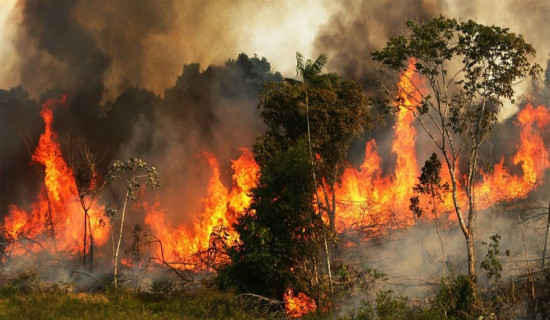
point(57, 303)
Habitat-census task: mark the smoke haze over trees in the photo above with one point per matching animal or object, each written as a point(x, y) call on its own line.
point(167, 80)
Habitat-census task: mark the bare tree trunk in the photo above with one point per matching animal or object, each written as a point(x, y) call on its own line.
point(441, 243)
point(545, 238)
point(315, 187)
point(117, 251)
point(91, 243)
point(529, 271)
point(85, 240)
point(471, 257)
point(50, 218)
point(328, 266)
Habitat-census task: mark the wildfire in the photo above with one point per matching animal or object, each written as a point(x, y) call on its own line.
point(298, 305)
point(365, 197)
point(375, 203)
point(56, 218)
point(532, 157)
point(221, 207)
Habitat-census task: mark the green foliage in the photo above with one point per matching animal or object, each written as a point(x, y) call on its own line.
point(429, 183)
point(469, 69)
point(387, 306)
point(493, 58)
point(309, 70)
point(455, 297)
point(131, 172)
point(490, 62)
point(364, 312)
point(23, 283)
point(390, 307)
point(492, 263)
point(162, 287)
point(56, 302)
point(280, 232)
point(338, 112)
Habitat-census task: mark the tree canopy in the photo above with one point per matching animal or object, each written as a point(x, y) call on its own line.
point(470, 70)
point(338, 112)
point(280, 232)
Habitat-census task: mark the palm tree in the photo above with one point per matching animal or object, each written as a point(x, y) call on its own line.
point(310, 71)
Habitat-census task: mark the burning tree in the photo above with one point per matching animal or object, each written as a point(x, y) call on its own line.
point(302, 155)
point(280, 234)
point(89, 187)
point(131, 174)
point(335, 111)
point(470, 69)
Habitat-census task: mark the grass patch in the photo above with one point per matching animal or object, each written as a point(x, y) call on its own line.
point(57, 303)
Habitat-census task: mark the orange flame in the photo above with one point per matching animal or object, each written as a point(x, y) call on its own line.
point(369, 201)
point(367, 198)
point(532, 156)
point(299, 305)
point(220, 209)
point(58, 203)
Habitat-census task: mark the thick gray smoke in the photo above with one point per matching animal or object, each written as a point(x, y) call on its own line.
point(359, 28)
point(134, 89)
point(356, 29)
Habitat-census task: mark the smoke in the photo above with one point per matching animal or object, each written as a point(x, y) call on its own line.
point(357, 29)
point(114, 45)
point(120, 63)
point(20, 123)
point(412, 258)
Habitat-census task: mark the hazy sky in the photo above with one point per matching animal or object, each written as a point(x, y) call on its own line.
point(146, 43)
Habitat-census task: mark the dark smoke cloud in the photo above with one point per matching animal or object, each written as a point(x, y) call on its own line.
point(105, 47)
point(212, 110)
point(59, 52)
point(359, 28)
point(119, 63)
point(20, 125)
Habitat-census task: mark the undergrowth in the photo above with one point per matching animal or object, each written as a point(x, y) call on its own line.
point(24, 298)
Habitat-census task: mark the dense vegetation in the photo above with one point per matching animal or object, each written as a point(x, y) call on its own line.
point(287, 237)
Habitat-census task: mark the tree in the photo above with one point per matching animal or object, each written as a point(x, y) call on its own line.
point(131, 173)
point(88, 187)
point(280, 234)
point(470, 69)
point(335, 111)
point(431, 185)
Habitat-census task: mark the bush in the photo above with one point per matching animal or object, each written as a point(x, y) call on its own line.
point(455, 298)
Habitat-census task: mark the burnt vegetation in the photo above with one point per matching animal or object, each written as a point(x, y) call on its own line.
point(285, 255)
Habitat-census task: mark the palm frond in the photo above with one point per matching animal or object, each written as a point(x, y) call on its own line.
point(319, 64)
point(308, 70)
point(300, 66)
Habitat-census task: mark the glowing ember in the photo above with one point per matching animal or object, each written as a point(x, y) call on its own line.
point(299, 305)
point(56, 218)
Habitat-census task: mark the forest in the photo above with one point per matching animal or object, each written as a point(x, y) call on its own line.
point(241, 192)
